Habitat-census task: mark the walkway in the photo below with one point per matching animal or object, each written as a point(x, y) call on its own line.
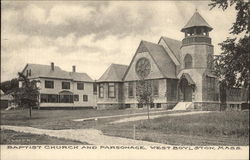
point(121, 115)
point(91, 136)
point(157, 116)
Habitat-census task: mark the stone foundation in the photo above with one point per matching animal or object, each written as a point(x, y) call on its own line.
point(157, 106)
point(206, 106)
point(109, 106)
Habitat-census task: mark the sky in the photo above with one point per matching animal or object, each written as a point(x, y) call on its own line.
point(92, 35)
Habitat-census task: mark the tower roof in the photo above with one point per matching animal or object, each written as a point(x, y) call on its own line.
point(196, 21)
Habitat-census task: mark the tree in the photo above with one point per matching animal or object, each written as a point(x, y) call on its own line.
point(8, 86)
point(232, 66)
point(27, 95)
point(144, 93)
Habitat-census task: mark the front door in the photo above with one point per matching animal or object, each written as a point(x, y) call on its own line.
point(186, 90)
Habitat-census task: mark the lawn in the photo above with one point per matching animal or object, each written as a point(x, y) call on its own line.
point(216, 128)
point(58, 119)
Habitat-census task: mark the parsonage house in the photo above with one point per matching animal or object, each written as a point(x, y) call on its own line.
point(59, 88)
point(180, 73)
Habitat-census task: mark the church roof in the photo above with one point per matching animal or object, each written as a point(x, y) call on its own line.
point(197, 20)
point(114, 73)
point(161, 58)
point(174, 45)
point(40, 70)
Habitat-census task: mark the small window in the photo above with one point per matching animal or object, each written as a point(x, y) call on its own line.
point(49, 84)
point(158, 105)
point(130, 89)
point(156, 87)
point(111, 90)
point(127, 106)
point(101, 91)
point(80, 85)
point(65, 85)
point(76, 97)
point(188, 61)
point(95, 88)
point(85, 98)
point(139, 105)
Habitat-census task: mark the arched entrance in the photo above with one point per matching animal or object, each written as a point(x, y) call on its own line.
point(187, 90)
point(186, 86)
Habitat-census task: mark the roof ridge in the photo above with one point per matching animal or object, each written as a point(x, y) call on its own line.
point(172, 39)
point(118, 64)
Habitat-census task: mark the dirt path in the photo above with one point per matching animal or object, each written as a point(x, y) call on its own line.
point(121, 115)
point(91, 136)
point(144, 117)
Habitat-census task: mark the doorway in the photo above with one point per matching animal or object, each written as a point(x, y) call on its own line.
point(186, 90)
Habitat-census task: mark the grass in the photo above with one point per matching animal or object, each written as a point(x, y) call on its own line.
point(57, 119)
point(216, 128)
point(9, 137)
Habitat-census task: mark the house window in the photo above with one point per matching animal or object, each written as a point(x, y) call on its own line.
point(158, 105)
point(80, 86)
point(85, 98)
point(156, 87)
point(127, 106)
point(49, 84)
point(64, 98)
point(76, 97)
point(188, 61)
point(130, 89)
point(139, 105)
point(44, 98)
point(173, 90)
point(52, 98)
point(49, 98)
point(65, 85)
point(95, 88)
point(111, 90)
point(101, 91)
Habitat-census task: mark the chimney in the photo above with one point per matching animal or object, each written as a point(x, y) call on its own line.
point(73, 68)
point(52, 66)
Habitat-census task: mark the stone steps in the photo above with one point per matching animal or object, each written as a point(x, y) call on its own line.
point(182, 106)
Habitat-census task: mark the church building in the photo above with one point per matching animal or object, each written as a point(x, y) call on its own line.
point(180, 73)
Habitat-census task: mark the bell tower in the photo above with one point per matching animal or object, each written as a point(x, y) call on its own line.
point(197, 83)
point(197, 48)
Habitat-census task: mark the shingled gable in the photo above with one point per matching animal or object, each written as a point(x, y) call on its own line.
point(174, 47)
point(159, 56)
point(44, 71)
point(114, 73)
point(195, 21)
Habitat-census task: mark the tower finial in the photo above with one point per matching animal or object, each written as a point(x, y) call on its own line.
point(196, 10)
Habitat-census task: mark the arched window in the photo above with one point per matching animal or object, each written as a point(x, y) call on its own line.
point(209, 61)
point(188, 61)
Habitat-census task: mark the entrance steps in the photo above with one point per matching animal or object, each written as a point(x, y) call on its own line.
point(183, 106)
